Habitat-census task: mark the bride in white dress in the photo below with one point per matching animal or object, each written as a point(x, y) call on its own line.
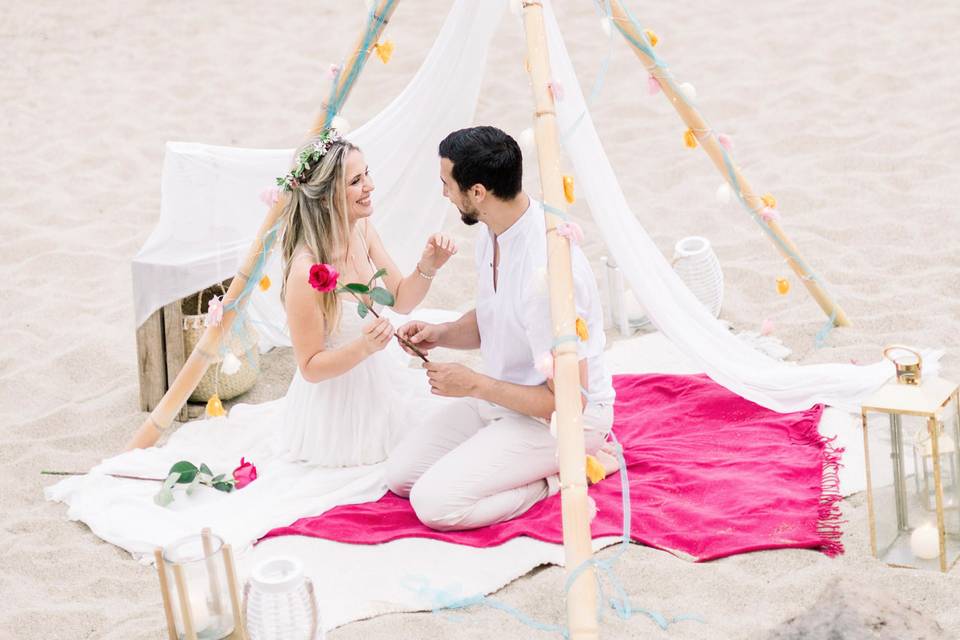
point(345, 406)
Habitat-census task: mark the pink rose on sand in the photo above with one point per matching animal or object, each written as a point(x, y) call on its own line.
point(244, 474)
point(323, 277)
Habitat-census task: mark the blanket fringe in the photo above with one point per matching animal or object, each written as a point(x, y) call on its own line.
point(829, 523)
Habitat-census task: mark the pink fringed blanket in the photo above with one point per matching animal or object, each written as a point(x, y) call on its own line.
point(711, 475)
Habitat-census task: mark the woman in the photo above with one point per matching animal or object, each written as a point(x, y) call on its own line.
point(341, 409)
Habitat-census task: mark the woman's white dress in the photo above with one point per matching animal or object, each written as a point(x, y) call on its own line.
point(354, 418)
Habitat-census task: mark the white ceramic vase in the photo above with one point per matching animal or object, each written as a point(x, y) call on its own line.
point(698, 267)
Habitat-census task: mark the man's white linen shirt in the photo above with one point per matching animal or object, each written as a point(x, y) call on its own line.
point(514, 319)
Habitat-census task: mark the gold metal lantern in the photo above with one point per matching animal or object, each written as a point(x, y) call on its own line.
point(913, 489)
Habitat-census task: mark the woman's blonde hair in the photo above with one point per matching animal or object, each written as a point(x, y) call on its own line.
point(316, 217)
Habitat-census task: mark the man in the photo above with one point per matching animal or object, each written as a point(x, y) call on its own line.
point(489, 455)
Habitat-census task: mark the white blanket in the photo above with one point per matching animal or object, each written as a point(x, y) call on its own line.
point(352, 581)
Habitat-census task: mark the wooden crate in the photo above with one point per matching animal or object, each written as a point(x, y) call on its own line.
point(160, 356)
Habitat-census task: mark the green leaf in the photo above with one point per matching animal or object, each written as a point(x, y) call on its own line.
point(205, 469)
point(226, 487)
point(381, 295)
point(362, 309)
point(163, 497)
point(379, 274)
point(171, 480)
point(187, 471)
point(357, 287)
point(217, 479)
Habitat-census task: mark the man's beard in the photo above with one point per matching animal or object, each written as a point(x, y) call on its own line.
point(469, 218)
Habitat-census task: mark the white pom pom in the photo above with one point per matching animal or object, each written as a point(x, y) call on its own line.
point(368, 4)
point(231, 364)
point(724, 194)
point(528, 141)
point(689, 91)
point(516, 6)
point(605, 26)
point(341, 124)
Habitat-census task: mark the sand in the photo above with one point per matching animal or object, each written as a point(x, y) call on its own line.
point(846, 111)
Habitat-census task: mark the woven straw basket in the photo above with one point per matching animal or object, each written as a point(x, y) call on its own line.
point(241, 341)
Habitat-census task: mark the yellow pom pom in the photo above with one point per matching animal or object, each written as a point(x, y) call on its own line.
point(568, 189)
point(384, 50)
point(264, 283)
point(783, 286)
point(690, 139)
point(769, 201)
point(582, 332)
point(651, 36)
point(215, 407)
point(595, 470)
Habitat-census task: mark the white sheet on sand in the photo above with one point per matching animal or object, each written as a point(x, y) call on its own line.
point(353, 582)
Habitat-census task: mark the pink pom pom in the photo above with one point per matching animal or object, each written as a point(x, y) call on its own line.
point(571, 231)
point(556, 90)
point(591, 508)
point(214, 312)
point(653, 85)
point(769, 214)
point(333, 71)
point(270, 195)
point(767, 327)
point(544, 365)
point(725, 141)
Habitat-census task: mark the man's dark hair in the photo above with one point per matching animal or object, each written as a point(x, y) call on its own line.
point(487, 156)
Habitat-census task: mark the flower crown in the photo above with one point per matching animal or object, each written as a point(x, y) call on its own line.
point(309, 157)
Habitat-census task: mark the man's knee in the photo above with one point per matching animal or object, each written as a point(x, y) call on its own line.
point(434, 505)
point(401, 474)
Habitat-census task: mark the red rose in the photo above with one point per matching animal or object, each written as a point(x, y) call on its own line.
point(323, 277)
point(244, 474)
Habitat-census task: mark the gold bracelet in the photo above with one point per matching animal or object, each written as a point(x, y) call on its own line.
point(423, 275)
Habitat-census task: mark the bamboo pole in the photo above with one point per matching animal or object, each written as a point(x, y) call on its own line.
point(209, 344)
point(692, 118)
point(165, 592)
point(581, 602)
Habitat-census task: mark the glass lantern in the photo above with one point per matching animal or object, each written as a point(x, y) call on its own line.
point(199, 586)
point(912, 462)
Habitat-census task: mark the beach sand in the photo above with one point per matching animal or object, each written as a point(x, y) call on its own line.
point(846, 111)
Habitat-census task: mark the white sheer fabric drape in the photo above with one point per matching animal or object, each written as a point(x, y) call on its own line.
point(210, 212)
point(210, 208)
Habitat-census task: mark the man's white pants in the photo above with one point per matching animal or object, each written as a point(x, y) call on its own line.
point(473, 463)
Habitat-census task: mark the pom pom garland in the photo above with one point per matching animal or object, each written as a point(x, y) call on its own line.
point(653, 85)
point(783, 286)
point(264, 283)
point(651, 37)
point(528, 141)
point(582, 331)
point(215, 407)
point(724, 193)
point(231, 364)
point(571, 231)
point(689, 91)
point(595, 470)
point(690, 139)
point(725, 141)
point(384, 50)
point(568, 189)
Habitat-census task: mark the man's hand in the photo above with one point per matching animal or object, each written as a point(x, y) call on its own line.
point(423, 335)
point(452, 380)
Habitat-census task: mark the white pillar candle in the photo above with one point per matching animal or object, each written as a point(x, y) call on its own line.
point(925, 542)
